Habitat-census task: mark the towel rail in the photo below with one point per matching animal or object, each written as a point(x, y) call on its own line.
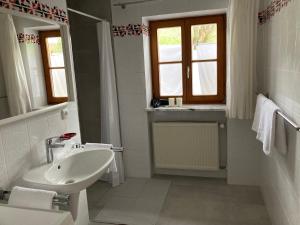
point(285, 117)
point(58, 200)
point(115, 149)
point(292, 123)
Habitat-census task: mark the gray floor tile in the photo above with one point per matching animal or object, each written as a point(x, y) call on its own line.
point(96, 192)
point(194, 201)
point(131, 188)
point(137, 202)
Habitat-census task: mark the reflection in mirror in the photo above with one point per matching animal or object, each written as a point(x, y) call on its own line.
point(54, 66)
point(32, 66)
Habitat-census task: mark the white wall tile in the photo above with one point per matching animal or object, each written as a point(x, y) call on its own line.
point(57, 126)
point(137, 163)
point(244, 153)
point(38, 131)
point(72, 122)
point(297, 52)
point(136, 137)
point(16, 149)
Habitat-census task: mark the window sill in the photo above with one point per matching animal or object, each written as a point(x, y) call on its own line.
point(201, 108)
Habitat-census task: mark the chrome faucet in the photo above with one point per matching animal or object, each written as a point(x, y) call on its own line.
point(51, 143)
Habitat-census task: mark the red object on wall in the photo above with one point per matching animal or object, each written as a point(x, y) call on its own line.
point(67, 136)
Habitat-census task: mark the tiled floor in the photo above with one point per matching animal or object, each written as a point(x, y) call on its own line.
point(199, 201)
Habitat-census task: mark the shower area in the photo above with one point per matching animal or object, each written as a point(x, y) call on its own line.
point(86, 63)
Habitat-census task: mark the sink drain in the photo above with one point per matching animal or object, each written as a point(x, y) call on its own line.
point(69, 181)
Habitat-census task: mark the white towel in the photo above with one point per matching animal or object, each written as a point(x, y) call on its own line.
point(264, 122)
point(90, 146)
point(261, 99)
point(98, 146)
point(266, 111)
point(31, 198)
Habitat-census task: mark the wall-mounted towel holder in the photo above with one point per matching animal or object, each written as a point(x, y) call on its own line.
point(58, 200)
point(285, 117)
point(115, 149)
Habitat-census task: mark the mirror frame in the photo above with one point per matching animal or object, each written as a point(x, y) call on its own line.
point(68, 56)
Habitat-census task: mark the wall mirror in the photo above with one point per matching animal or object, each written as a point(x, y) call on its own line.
point(33, 70)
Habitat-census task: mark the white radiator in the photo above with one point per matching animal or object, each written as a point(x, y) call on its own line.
point(184, 145)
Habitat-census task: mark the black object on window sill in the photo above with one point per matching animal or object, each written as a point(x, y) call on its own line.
point(155, 102)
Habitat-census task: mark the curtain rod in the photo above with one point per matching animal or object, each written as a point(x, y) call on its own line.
point(85, 14)
point(124, 4)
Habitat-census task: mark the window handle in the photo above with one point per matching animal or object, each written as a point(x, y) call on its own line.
point(188, 72)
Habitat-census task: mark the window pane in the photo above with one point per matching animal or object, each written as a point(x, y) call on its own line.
point(170, 79)
point(205, 80)
point(55, 52)
point(58, 82)
point(204, 41)
point(169, 44)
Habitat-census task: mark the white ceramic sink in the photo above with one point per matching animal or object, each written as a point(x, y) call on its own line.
point(72, 174)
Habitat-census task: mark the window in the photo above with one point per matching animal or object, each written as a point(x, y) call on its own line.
point(189, 59)
point(54, 66)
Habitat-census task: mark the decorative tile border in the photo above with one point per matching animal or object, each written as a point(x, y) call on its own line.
point(34, 7)
point(28, 38)
point(130, 30)
point(274, 7)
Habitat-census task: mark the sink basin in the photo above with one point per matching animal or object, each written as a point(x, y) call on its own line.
point(72, 174)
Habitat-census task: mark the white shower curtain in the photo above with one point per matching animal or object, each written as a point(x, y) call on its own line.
point(242, 31)
point(13, 68)
point(110, 122)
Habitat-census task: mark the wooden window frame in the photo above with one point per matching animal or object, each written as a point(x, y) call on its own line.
point(43, 35)
point(185, 24)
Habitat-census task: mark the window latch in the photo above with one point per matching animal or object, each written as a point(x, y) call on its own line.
point(188, 72)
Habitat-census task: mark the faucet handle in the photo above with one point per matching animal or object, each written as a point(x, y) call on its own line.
point(63, 137)
point(67, 136)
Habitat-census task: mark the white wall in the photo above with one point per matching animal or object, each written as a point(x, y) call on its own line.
point(279, 74)
point(131, 76)
point(244, 152)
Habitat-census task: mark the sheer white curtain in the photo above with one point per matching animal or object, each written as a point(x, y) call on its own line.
point(110, 122)
point(242, 31)
point(13, 68)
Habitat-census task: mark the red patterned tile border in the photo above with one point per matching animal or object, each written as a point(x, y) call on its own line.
point(274, 7)
point(34, 7)
point(28, 38)
point(130, 30)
